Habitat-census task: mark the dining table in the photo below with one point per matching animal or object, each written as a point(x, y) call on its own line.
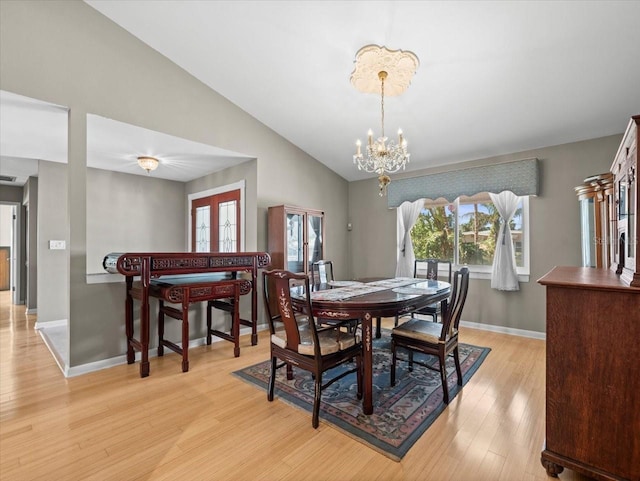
point(369, 299)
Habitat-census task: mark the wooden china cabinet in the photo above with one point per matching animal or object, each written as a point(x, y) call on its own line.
point(625, 173)
point(296, 237)
point(593, 329)
point(597, 219)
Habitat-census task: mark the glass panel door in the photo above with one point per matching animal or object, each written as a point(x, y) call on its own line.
point(295, 242)
point(202, 236)
point(227, 226)
point(315, 238)
point(215, 223)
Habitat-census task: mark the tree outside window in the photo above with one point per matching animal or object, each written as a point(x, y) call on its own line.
point(468, 228)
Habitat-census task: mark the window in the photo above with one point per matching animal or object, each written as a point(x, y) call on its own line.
point(465, 232)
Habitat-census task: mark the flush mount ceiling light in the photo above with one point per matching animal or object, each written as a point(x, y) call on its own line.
point(380, 70)
point(148, 163)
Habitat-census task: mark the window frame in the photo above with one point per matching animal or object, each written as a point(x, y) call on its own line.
point(484, 271)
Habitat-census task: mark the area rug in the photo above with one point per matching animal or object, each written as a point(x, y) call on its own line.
point(401, 414)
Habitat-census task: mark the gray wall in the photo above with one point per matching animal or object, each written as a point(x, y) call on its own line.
point(53, 265)
point(30, 240)
point(66, 53)
point(69, 54)
point(554, 225)
point(132, 213)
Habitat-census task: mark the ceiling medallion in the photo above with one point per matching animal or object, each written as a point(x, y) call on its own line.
point(380, 70)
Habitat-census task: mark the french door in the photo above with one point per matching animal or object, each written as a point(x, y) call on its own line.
point(215, 223)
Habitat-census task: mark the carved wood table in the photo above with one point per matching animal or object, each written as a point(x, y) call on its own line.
point(150, 266)
point(381, 298)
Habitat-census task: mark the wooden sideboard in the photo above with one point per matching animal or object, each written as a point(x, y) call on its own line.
point(592, 374)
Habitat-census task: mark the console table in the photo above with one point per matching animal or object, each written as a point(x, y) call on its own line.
point(149, 266)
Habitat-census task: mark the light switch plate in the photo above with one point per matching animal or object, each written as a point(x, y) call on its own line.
point(57, 245)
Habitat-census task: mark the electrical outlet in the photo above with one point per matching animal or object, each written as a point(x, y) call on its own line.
point(57, 245)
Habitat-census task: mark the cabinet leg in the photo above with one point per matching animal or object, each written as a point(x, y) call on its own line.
point(553, 469)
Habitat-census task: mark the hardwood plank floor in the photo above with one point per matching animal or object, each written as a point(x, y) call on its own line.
point(208, 425)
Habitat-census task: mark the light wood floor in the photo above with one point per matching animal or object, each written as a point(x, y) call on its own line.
point(208, 425)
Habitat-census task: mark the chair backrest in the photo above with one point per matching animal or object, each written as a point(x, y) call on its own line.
point(459, 289)
point(277, 292)
point(428, 268)
point(321, 272)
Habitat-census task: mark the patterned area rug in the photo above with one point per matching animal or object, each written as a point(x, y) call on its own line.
point(401, 414)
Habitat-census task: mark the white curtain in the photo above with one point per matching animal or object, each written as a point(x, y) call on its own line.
point(504, 276)
point(408, 213)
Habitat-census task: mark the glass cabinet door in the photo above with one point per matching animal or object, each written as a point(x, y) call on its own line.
point(588, 233)
point(315, 238)
point(295, 243)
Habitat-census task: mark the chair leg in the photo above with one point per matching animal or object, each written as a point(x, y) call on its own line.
point(443, 378)
point(359, 375)
point(394, 358)
point(395, 323)
point(272, 379)
point(410, 360)
point(456, 359)
point(315, 421)
point(378, 332)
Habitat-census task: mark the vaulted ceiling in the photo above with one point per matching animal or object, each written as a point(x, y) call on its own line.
point(495, 76)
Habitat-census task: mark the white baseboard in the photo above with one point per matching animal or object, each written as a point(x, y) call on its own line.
point(57, 356)
point(32, 310)
point(45, 324)
point(505, 330)
point(118, 360)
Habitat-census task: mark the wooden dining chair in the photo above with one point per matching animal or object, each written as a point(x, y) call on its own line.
point(298, 341)
point(434, 338)
point(321, 272)
point(321, 275)
point(429, 269)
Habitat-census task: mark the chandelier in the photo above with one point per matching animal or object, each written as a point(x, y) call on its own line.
point(393, 68)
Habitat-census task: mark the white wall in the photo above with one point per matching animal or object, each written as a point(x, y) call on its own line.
point(6, 219)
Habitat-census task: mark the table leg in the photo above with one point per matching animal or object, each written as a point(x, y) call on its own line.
point(367, 361)
point(185, 330)
point(128, 321)
point(144, 336)
point(235, 322)
point(254, 309)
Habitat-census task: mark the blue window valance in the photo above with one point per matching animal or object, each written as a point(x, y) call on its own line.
point(520, 177)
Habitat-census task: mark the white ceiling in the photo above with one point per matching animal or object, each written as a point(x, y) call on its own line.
point(31, 130)
point(494, 77)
